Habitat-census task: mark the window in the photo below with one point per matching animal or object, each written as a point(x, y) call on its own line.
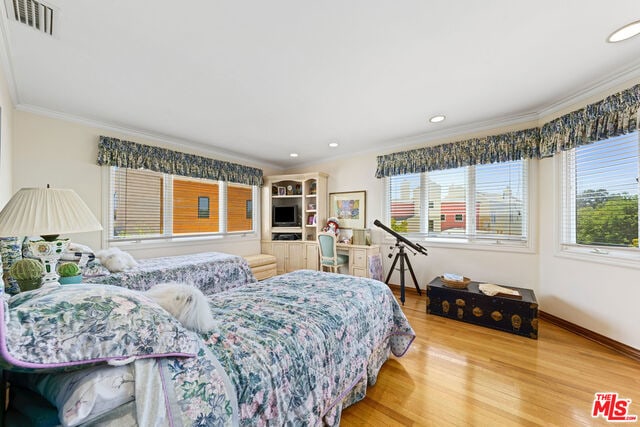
point(187, 216)
point(146, 205)
point(473, 203)
point(137, 203)
point(600, 197)
point(203, 207)
point(239, 212)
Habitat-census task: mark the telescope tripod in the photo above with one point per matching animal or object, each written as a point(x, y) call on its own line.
point(404, 259)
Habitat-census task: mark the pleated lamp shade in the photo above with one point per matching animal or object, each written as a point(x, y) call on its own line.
point(46, 211)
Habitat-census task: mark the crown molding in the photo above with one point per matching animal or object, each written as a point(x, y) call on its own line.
point(609, 83)
point(148, 135)
point(464, 129)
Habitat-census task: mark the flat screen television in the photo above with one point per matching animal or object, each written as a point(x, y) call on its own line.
point(285, 216)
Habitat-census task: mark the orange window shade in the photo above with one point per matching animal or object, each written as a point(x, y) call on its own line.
point(187, 218)
point(239, 208)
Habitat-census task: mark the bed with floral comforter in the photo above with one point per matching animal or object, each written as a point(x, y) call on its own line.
point(211, 272)
point(292, 350)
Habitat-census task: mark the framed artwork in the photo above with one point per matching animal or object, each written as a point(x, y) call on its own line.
point(349, 208)
point(282, 191)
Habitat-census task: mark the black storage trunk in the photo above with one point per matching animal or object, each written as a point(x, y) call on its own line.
point(518, 316)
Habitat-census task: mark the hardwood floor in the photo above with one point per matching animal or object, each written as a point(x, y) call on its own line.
point(460, 374)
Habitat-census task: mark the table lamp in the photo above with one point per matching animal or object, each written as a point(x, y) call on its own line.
point(47, 212)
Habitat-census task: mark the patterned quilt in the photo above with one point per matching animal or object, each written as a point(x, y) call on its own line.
point(211, 272)
point(300, 346)
point(292, 350)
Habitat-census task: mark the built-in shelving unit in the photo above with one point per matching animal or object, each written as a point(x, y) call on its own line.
point(294, 210)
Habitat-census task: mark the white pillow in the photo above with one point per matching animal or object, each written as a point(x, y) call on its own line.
point(83, 395)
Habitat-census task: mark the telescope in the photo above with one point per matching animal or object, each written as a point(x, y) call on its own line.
point(415, 246)
point(402, 257)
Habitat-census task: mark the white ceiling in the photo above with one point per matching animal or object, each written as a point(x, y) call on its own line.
point(262, 79)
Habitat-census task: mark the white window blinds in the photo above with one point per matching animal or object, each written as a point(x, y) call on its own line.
point(469, 203)
point(403, 203)
point(600, 193)
point(500, 200)
point(447, 189)
point(137, 198)
point(151, 205)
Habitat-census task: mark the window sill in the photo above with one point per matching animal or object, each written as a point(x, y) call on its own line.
point(604, 256)
point(171, 242)
point(494, 246)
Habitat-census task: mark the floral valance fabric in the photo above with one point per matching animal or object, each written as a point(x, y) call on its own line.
point(127, 154)
point(615, 115)
point(489, 149)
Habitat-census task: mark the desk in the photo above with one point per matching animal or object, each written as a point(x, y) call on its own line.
point(358, 257)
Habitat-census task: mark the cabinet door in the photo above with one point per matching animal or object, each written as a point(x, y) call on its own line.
point(295, 261)
point(359, 258)
point(312, 262)
point(359, 272)
point(279, 250)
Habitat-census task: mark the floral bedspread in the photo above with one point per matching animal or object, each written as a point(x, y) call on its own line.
point(301, 346)
point(291, 350)
point(211, 272)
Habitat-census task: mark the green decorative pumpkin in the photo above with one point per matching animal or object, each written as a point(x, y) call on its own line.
point(28, 273)
point(68, 269)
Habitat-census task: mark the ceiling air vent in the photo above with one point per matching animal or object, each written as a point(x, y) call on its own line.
point(34, 14)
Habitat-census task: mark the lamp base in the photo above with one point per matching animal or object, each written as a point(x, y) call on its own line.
point(49, 253)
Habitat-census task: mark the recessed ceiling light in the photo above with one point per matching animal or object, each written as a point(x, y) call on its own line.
point(293, 155)
point(437, 119)
point(625, 32)
point(333, 144)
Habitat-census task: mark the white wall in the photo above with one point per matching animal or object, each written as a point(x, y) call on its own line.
point(63, 154)
point(600, 297)
point(6, 141)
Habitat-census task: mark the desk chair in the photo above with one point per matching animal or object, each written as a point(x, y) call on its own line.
point(329, 256)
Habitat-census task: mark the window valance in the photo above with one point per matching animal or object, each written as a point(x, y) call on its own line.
point(490, 149)
point(615, 115)
point(127, 154)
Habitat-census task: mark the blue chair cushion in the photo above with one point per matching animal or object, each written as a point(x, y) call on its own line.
point(342, 259)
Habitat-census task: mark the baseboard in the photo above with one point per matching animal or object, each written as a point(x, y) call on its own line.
point(614, 345)
point(411, 288)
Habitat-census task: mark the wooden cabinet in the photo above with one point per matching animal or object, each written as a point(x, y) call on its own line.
point(292, 256)
point(280, 251)
point(312, 257)
point(359, 257)
point(294, 209)
point(295, 256)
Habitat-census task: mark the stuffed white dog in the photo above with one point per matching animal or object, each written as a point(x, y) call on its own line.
point(116, 260)
point(186, 303)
